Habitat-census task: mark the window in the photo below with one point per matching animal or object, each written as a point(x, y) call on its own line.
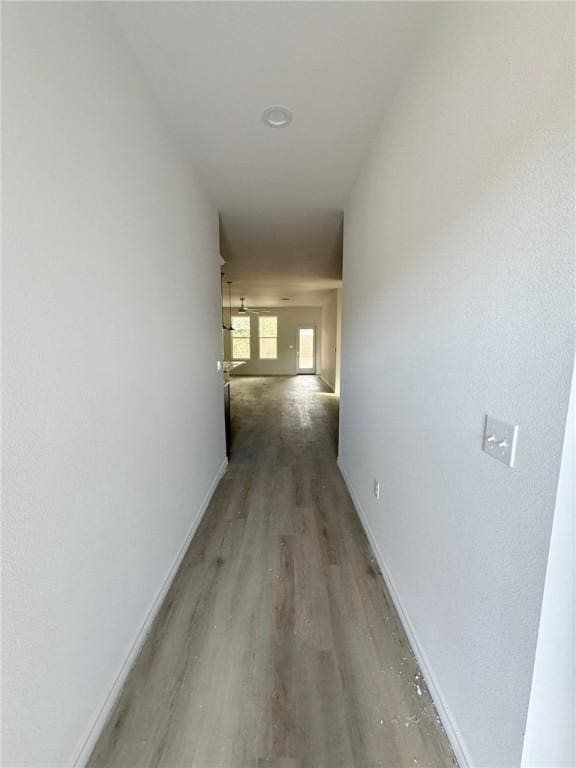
point(268, 333)
point(241, 337)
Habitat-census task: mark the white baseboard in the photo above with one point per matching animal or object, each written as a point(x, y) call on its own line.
point(104, 710)
point(452, 731)
point(326, 382)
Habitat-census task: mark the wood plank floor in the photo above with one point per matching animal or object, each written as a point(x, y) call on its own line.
point(277, 644)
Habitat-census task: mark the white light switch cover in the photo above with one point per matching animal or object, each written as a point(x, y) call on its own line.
point(500, 440)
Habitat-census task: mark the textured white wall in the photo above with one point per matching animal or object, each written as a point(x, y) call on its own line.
point(553, 694)
point(329, 339)
point(289, 318)
point(338, 342)
point(112, 402)
point(458, 301)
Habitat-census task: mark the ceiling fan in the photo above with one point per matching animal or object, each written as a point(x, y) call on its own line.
point(243, 309)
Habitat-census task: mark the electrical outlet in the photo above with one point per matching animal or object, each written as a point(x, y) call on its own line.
point(376, 488)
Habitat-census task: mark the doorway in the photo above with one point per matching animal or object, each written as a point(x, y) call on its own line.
point(306, 352)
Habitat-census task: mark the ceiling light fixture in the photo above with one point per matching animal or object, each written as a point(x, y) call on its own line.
point(229, 326)
point(277, 116)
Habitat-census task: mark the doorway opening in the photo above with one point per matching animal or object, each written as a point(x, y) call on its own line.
point(306, 353)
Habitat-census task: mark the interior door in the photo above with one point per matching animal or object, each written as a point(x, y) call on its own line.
point(306, 361)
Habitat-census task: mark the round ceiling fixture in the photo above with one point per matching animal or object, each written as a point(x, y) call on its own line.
point(277, 116)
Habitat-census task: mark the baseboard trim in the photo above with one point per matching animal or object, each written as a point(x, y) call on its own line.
point(104, 710)
point(330, 387)
point(455, 737)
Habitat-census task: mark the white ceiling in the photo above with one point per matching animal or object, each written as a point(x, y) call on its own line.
point(215, 66)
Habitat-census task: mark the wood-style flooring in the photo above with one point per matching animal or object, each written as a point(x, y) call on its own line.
point(277, 644)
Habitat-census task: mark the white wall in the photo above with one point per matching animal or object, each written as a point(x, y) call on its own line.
point(552, 698)
point(337, 386)
point(330, 339)
point(458, 301)
point(112, 402)
point(289, 318)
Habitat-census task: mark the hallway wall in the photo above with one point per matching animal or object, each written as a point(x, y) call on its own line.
point(113, 430)
point(458, 302)
point(289, 318)
point(553, 689)
point(330, 356)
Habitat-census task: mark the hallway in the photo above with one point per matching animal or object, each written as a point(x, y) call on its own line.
point(380, 196)
point(277, 644)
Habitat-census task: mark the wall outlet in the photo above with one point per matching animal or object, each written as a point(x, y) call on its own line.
point(376, 488)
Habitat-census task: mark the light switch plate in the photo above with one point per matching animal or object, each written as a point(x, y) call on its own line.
point(500, 440)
